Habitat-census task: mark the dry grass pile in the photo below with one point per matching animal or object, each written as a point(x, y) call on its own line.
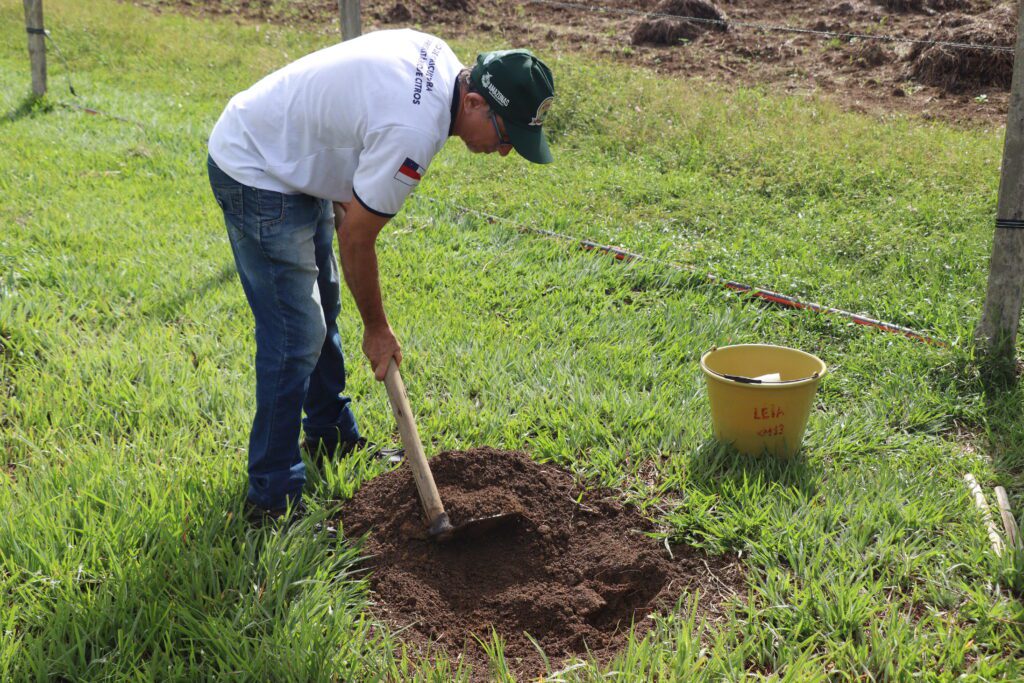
point(662, 30)
point(957, 69)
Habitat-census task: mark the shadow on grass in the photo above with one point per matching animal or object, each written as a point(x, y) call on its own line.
point(188, 590)
point(171, 308)
point(714, 463)
point(999, 373)
point(1001, 417)
point(30, 106)
point(985, 410)
point(1004, 412)
point(733, 500)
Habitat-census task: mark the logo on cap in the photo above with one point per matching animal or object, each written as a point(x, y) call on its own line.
point(542, 112)
point(499, 96)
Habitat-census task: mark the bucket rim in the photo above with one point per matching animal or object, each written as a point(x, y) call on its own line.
point(734, 380)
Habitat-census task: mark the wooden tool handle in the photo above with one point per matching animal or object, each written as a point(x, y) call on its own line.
point(413, 448)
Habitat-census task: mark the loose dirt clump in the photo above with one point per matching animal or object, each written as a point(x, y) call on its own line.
point(956, 69)
point(401, 14)
point(927, 6)
point(661, 30)
point(398, 14)
point(848, 8)
point(456, 5)
point(870, 54)
point(577, 571)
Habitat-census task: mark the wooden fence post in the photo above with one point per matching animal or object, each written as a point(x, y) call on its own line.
point(351, 26)
point(996, 334)
point(36, 45)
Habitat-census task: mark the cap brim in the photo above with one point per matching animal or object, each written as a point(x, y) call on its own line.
point(529, 142)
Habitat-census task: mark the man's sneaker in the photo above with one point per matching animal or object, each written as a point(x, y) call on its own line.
point(392, 455)
point(259, 516)
point(319, 449)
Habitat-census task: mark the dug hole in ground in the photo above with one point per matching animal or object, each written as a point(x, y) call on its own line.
point(573, 575)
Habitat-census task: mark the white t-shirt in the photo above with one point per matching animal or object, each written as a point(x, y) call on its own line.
point(361, 118)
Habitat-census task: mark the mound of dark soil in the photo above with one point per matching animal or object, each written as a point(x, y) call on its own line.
point(661, 30)
point(574, 574)
point(957, 69)
point(924, 5)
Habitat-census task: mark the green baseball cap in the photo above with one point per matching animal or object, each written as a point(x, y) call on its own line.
point(519, 87)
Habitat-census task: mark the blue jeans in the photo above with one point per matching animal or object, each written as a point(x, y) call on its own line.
point(283, 248)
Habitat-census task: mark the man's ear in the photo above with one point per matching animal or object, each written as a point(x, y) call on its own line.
point(475, 100)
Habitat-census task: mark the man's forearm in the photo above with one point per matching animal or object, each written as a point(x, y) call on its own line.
point(359, 264)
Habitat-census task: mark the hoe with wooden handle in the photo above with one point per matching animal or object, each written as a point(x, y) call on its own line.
point(441, 528)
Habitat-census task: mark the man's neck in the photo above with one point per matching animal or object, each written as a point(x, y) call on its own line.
point(456, 110)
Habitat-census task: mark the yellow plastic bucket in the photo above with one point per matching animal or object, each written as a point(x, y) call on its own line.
point(761, 396)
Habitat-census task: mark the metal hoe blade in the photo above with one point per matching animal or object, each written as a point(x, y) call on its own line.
point(477, 528)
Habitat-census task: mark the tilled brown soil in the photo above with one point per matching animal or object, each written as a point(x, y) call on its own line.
point(878, 76)
point(574, 573)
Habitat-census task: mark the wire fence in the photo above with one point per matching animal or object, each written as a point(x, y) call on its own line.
point(760, 293)
point(603, 9)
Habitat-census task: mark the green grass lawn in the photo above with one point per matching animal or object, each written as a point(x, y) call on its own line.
point(126, 385)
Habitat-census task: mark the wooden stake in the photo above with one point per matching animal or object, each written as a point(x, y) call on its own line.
point(36, 45)
point(1009, 523)
point(986, 514)
point(996, 334)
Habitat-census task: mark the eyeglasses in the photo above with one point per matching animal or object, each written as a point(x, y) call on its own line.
point(502, 140)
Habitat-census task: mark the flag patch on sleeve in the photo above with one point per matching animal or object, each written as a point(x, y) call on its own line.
point(409, 172)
